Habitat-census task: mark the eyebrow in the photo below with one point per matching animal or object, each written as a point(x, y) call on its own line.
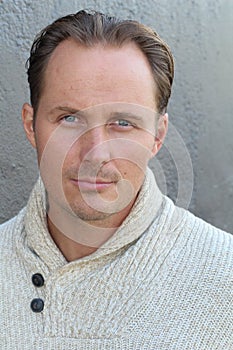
point(64, 109)
point(117, 115)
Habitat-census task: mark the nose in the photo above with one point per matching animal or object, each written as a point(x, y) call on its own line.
point(95, 146)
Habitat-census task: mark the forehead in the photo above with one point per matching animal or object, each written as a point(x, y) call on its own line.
point(100, 74)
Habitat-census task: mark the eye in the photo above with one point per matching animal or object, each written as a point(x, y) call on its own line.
point(122, 123)
point(70, 118)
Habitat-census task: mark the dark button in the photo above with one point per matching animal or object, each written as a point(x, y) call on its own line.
point(38, 280)
point(37, 305)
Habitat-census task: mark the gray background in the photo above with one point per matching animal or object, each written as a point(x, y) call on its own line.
point(200, 34)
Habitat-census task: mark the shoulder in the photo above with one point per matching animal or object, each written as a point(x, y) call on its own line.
point(10, 229)
point(205, 248)
point(193, 227)
point(207, 233)
point(195, 240)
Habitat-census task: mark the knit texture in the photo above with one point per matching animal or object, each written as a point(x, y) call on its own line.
point(163, 281)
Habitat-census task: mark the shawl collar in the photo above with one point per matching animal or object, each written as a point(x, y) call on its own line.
point(142, 214)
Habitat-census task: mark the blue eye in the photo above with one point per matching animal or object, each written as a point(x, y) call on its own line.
point(70, 118)
point(73, 121)
point(122, 125)
point(123, 122)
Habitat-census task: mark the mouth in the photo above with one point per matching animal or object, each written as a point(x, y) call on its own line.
point(92, 184)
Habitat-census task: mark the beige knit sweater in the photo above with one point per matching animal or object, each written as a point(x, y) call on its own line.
point(164, 281)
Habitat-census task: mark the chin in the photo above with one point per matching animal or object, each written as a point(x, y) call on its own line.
point(89, 214)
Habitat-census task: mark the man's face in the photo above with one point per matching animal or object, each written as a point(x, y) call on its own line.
point(95, 128)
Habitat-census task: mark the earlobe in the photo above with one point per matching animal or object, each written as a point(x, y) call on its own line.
point(27, 118)
point(161, 133)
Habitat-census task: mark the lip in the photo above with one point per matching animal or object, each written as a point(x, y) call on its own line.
point(92, 184)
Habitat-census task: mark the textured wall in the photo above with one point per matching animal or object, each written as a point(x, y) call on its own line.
point(200, 35)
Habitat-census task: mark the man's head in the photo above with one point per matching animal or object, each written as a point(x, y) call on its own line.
point(97, 88)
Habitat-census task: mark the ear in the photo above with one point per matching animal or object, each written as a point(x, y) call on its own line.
point(27, 118)
point(161, 133)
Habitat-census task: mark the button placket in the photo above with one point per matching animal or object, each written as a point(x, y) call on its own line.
point(37, 304)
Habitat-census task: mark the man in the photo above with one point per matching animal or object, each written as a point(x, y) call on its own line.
point(99, 258)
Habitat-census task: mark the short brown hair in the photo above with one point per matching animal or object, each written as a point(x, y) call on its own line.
point(90, 28)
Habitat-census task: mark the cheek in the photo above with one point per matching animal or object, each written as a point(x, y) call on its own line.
point(43, 137)
point(71, 160)
point(41, 142)
point(52, 150)
point(136, 153)
point(131, 171)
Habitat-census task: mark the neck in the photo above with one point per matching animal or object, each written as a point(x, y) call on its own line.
point(70, 249)
point(77, 238)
